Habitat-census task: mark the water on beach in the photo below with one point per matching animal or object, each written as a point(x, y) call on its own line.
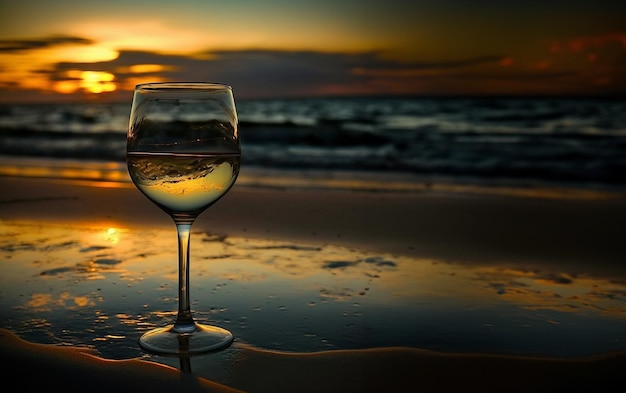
point(509, 141)
point(102, 287)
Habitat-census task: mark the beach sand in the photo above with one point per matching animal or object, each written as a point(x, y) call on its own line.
point(579, 231)
point(572, 233)
point(371, 370)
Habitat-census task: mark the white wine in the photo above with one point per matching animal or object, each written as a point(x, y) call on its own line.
point(183, 183)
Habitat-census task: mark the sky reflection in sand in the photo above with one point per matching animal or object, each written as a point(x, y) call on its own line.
point(102, 286)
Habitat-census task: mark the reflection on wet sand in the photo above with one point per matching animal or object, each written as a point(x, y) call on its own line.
point(102, 286)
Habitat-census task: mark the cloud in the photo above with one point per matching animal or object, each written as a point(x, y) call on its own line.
point(252, 73)
point(590, 42)
point(255, 73)
point(40, 43)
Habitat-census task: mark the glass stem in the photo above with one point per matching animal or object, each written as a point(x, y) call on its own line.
point(184, 320)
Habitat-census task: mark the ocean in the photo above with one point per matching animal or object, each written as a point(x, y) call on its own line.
point(520, 142)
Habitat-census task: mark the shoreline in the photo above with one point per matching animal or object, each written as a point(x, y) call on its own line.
point(370, 370)
point(106, 173)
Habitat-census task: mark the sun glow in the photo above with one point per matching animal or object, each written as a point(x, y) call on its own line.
point(97, 81)
point(81, 54)
point(35, 69)
point(90, 81)
point(149, 35)
point(145, 69)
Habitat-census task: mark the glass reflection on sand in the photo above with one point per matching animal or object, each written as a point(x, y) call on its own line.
point(102, 286)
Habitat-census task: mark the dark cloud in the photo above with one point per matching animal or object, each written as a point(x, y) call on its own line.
point(276, 73)
point(443, 65)
point(265, 72)
point(287, 73)
point(39, 43)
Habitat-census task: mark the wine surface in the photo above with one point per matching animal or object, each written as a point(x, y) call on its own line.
point(183, 183)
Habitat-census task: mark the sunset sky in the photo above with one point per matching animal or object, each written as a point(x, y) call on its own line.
point(77, 49)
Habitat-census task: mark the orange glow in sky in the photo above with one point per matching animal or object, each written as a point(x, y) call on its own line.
point(77, 49)
point(90, 81)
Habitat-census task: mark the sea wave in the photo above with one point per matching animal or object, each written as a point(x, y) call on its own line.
point(553, 140)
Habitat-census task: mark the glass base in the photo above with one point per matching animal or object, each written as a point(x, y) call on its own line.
point(202, 339)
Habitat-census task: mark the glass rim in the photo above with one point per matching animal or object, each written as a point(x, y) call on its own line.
point(181, 86)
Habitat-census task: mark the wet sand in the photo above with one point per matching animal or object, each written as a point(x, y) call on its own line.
point(579, 236)
point(576, 230)
point(374, 370)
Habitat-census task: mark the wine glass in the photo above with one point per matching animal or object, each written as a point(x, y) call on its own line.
point(183, 153)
